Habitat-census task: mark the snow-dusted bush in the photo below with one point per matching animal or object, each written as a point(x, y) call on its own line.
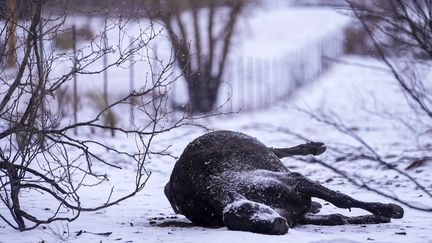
point(49, 161)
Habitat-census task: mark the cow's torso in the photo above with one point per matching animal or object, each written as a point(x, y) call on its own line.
point(215, 164)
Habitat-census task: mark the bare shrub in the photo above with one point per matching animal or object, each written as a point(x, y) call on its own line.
point(39, 151)
point(398, 32)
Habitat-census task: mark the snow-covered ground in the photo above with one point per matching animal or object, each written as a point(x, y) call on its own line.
point(346, 90)
point(350, 91)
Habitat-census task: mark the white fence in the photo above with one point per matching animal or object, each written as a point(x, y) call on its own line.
point(252, 83)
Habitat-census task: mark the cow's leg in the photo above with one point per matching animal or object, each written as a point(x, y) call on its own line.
point(313, 189)
point(338, 219)
point(314, 148)
point(245, 215)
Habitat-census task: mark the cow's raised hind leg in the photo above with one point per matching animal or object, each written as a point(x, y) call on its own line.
point(339, 219)
point(313, 148)
point(314, 189)
point(245, 215)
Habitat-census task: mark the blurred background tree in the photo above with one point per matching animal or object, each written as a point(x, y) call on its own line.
point(201, 47)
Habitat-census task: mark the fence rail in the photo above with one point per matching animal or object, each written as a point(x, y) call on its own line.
point(252, 83)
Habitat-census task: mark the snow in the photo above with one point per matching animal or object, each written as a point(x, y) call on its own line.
point(276, 32)
point(348, 90)
point(133, 220)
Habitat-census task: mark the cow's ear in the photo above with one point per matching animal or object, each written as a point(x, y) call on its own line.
point(169, 194)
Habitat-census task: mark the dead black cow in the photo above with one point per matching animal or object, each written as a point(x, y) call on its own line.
point(229, 178)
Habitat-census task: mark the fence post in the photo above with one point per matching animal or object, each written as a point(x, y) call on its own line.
point(240, 80)
point(230, 100)
point(259, 83)
point(75, 84)
point(105, 72)
point(41, 55)
point(268, 80)
point(281, 78)
point(173, 100)
point(11, 41)
point(274, 81)
point(131, 85)
point(156, 93)
point(293, 71)
point(250, 79)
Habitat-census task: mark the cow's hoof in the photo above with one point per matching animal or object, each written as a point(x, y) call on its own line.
point(315, 148)
point(337, 219)
point(280, 226)
point(381, 219)
point(397, 211)
point(390, 210)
